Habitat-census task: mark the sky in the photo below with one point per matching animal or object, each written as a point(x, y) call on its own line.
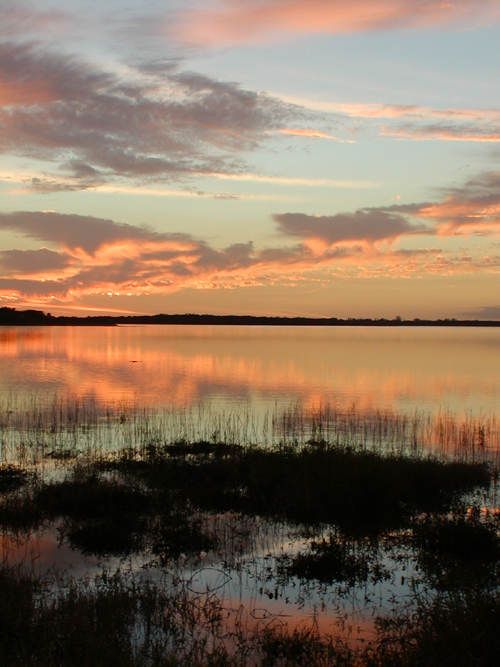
point(335, 158)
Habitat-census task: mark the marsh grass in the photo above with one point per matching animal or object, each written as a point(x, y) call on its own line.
point(360, 491)
point(131, 622)
point(184, 487)
point(46, 432)
point(336, 559)
point(127, 621)
point(457, 629)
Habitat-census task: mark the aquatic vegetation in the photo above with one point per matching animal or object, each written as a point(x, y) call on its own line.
point(454, 550)
point(336, 559)
point(131, 622)
point(316, 504)
point(359, 491)
point(458, 629)
point(12, 478)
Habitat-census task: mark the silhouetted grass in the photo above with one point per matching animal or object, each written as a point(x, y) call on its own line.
point(457, 630)
point(336, 559)
point(455, 551)
point(168, 497)
point(132, 503)
point(362, 492)
point(12, 478)
point(122, 622)
point(133, 623)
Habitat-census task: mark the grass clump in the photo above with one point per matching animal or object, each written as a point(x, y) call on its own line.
point(12, 478)
point(336, 559)
point(455, 550)
point(450, 630)
point(360, 491)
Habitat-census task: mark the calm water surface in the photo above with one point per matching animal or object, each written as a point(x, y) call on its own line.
point(374, 368)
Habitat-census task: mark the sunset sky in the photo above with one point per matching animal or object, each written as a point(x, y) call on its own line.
point(275, 157)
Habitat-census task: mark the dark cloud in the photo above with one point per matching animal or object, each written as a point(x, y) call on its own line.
point(98, 126)
point(72, 231)
point(31, 262)
point(368, 225)
point(33, 288)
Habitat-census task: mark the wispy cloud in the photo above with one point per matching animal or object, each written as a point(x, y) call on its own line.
point(152, 122)
point(411, 121)
point(234, 23)
point(308, 134)
point(292, 181)
point(445, 132)
point(408, 111)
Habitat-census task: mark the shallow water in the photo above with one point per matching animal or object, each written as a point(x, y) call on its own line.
point(400, 369)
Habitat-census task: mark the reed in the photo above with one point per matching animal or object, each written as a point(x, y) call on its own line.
point(42, 433)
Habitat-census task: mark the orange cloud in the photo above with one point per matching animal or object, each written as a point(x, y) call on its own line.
point(86, 255)
point(413, 111)
point(473, 208)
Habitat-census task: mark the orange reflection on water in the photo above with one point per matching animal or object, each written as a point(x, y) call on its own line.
point(375, 368)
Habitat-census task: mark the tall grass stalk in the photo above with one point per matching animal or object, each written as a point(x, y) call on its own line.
point(39, 432)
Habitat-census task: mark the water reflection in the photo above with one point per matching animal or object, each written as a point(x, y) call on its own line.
point(375, 368)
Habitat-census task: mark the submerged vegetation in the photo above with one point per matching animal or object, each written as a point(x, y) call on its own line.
point(302, 511)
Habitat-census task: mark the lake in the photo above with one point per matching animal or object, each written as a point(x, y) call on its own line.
point(374, 368)
point(124, 450)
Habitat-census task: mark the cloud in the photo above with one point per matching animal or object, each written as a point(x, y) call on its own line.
point(91, 255)
point(96, 255)
point(422, 123)
point(473, 208)
point(74, 232)
point(307, 133)
point(87, 255)
point(32, 262)
point(249, 21)
point(151, 122)
point(21, 18)
point(368, 226)
point(411, 111)
point(484, 313)
point(445, 132)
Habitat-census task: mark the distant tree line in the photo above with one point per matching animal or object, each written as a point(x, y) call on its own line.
point(13, 317)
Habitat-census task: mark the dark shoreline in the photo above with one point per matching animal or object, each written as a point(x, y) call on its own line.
point(13, 317)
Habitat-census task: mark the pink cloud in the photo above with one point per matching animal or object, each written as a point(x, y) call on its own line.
point(445, 132)
point(412, 111)
point(234, 22)
point(473, 209)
